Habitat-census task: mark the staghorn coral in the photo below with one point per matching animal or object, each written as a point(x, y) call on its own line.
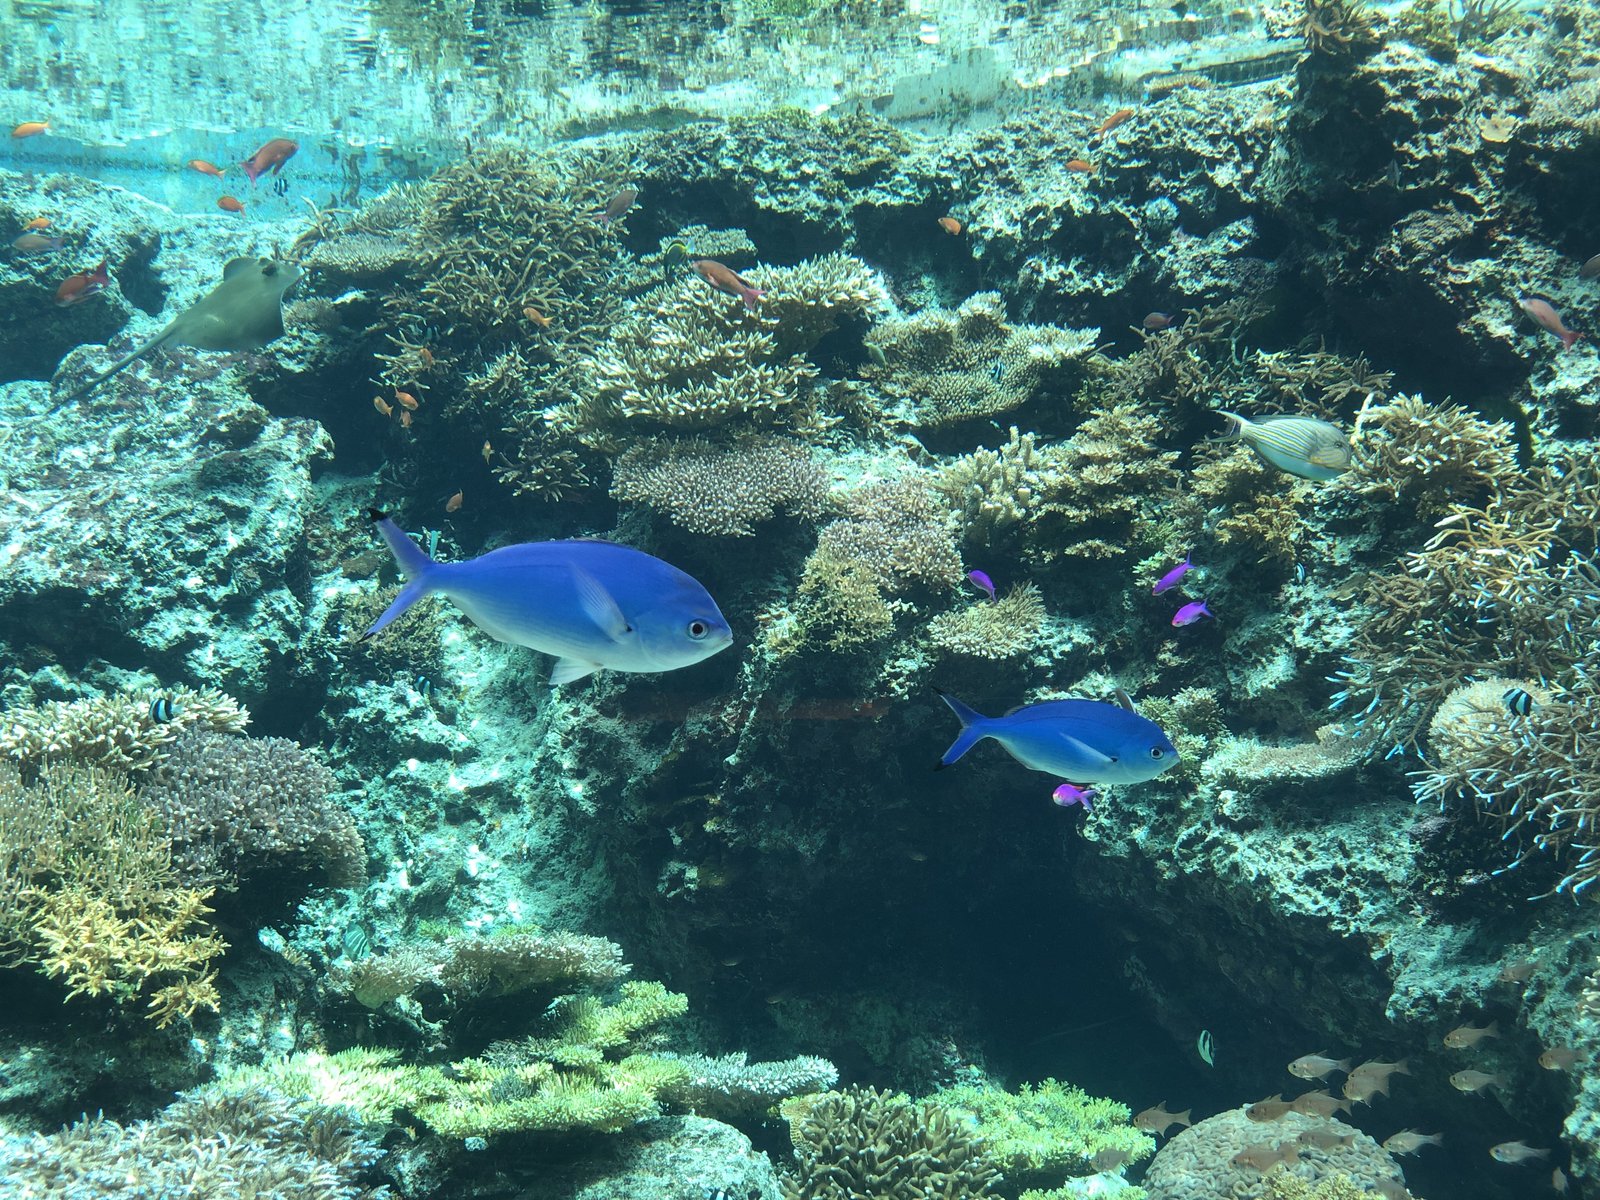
point(863, 1142)
point(119, 733)
point(993, 491)
point(88, 894)
point(1045, 1133)
point(1198, 1163)
point(366, 1082)
point(1006, 628)
point(731, 1088)
point(1430, 456)
point(468, 967)
point(1263, 506)
point(241, 809)
point(216, 1141)
point(1337, 28)
point(944, 366)
point(722, 491)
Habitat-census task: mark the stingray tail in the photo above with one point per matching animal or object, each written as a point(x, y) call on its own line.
point(974, 728)
point(95, 381)
point(414, 564)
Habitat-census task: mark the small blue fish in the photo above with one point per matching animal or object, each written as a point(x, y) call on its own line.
point(592, 604)
point(161, 709)
point(981, 581)
point(1088, 741)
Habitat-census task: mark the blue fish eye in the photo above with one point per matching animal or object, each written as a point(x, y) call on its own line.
point(1156, 751)
point(698, 630)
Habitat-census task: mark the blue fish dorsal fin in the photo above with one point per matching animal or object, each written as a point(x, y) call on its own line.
point(1090, 754)
point(600, 607)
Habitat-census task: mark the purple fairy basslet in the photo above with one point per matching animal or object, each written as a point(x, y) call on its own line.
point(1190, 613)
point(1069, 794)
point(1170, 580)
point(982, 582)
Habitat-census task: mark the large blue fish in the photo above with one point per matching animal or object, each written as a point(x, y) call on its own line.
point(1086, 741)
point(592, 604)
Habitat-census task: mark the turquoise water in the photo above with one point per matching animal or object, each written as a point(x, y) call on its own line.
point(809, 600)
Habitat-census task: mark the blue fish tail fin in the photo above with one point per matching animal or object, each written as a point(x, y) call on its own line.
point(414, 564)
point(411, 558)
point(974, 728)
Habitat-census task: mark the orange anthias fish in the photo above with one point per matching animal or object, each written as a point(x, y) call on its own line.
point(75, 289)
point(950, 225)
point(1543, 312)
point(1111, 122)
point(36, 224)
point(383, 406)
point(270, 157)
point(30, 129)
point(537, 317)
point(1080, 166)
point(406, 399)
point(205, 168)
point(724, 279)
point(405, 418)
point(230, 204)
point(454, 503)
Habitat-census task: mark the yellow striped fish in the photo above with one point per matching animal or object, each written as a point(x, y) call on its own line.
point(1301, 446)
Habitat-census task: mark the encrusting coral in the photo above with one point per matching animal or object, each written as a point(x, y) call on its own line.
point(863, 1142)
point(722, 490)
point(88, 893)
point(121, 733)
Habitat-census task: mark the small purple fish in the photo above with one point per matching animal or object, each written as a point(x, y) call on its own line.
point(1191, 612)
point(1069, 794)
point(982, 582)
point(1170, 580)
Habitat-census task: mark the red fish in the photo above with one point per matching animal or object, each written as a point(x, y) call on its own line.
point(1542, 311)
point(726, 280)
point(36, 224)
point(30, 129)
point(270, 157)
point(230, 204)
point(205, 168)
point(1080, 166)
point(950, 225)
point(77, 288)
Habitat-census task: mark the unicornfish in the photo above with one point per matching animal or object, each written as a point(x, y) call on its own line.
point(594, 605)
point(243, 312)
point(1085, 741)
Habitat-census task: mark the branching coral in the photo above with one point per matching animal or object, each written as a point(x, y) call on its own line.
point(953, 366)
point(863, 1142)
point(121, 733)
point(213, 1142)
point(1337, 27)
point(1010, 626)
point(731, 1088)
point(239, 808)
point(993, 491)
point(1043, 1134)
point(1262, 506)
point(724, 491)
point(88, 894)
point(1431, 455)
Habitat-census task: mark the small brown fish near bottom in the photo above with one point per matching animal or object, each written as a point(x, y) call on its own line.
point(950, 225)
point(1517, 1152)
point(1109, 1160)
point(1158, 1120)
point(1264, 1157)
point(1079, 166)
point(382, 406)
point(537, 317)
point(1517, 970)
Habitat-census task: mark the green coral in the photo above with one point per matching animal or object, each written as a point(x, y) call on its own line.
point(370, 1083)
point(1043, 1134)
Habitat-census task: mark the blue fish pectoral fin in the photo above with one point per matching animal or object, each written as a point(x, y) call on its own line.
point(1090, 755)
point(600, 607)
point(974, 728)
point(409, 595)
point(569, 670)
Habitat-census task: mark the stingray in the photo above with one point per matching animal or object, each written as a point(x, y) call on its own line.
point(243, 312)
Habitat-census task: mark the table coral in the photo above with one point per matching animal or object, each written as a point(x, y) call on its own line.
point(120, 733)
